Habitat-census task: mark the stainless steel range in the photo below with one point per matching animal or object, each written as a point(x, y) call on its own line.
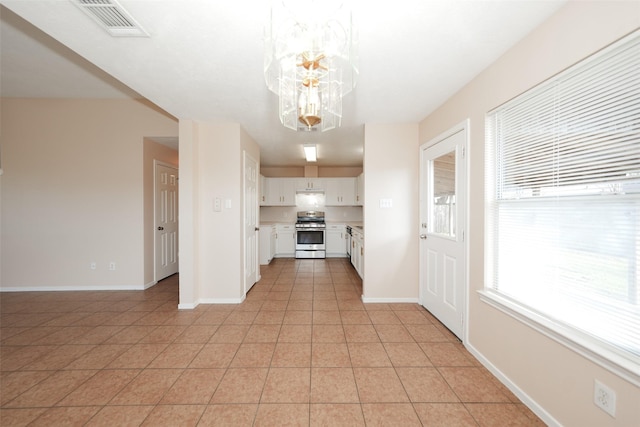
point(310, 235)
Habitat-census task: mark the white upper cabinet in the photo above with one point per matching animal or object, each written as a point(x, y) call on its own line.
point(264, 195)
point(340, 191)
point(360, 190)
point(281, 192)
point(310, 184)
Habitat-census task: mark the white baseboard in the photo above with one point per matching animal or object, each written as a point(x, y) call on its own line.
point(546, 417)
point(221, 300)
point(150, 284)
point(390, 300)
point(187, 306)
point(192, 305)
point(70, 288)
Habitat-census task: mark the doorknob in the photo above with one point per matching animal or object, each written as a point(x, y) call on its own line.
point(160, 228)
point(423, 236)
point(257, 229)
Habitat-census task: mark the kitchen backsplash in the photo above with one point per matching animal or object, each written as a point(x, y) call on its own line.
point(332, 213)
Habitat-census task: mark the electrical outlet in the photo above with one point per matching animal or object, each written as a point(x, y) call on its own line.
point(93, 266)
point(604, 398)
point(112, 266)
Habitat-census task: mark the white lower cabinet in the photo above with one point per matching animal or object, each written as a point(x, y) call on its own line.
point(267, 238)
point(285, 240)
point(336, 238)
point(357, 252)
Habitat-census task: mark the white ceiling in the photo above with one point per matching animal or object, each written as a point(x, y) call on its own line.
point(203, 61)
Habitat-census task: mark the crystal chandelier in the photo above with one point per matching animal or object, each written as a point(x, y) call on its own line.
point(310, 62)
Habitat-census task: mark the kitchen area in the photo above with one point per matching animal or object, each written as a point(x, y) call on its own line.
point(312, 218)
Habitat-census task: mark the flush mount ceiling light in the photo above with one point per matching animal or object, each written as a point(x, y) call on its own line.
point(310, 61)
point(310, 153)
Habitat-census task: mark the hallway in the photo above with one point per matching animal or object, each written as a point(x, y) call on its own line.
point(301, 350)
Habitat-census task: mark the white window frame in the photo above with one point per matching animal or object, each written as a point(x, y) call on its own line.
point(622, 363)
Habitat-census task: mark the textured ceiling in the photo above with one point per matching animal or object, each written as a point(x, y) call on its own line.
point(203, 61)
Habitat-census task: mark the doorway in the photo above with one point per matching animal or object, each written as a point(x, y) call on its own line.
point(443, 223)
point(165, 220)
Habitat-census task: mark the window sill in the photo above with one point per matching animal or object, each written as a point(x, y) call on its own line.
point(594, 350)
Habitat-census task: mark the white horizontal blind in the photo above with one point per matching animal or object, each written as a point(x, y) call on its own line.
point(563, 199)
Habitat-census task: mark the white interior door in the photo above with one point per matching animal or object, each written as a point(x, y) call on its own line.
point(166, 221)
point(250, 222)
point(443, 213)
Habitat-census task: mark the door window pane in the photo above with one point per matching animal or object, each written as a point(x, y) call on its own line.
point(443, 221)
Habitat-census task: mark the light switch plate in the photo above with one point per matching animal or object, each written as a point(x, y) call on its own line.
point(386, 203)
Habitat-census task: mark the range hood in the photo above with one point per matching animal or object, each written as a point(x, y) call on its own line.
point(310, 191)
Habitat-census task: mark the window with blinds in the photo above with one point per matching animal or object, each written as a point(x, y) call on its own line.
point(563, 204)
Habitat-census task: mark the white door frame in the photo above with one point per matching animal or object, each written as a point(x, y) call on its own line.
point(464, 127)
point(157, 163)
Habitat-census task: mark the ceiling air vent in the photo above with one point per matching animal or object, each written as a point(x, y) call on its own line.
point(111, 16)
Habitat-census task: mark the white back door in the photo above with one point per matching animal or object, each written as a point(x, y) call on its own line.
point(443, 218)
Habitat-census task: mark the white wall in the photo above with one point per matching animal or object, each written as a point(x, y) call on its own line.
point(391, 165)
point(72, 192)
point(211, 244)
point(555, 381)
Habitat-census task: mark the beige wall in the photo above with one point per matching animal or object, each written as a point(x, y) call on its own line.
point(72, 192)
point(152, 151)
point(391, 163)
point(554, 380)
point(323, 171)
point(211, 246)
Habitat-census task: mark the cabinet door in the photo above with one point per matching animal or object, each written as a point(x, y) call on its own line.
point(281, 191)
point(285, 243)
point(360, 190)
point(340, 191)
point(288, 191)
point(273, 191)
point(335, 240)
point(357, 253)
point(312, 184)
point(348, 189)
point(272, 242)
point(264, 197)
point(266, 236)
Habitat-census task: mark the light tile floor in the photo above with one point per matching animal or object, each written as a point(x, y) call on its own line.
point(301, 350)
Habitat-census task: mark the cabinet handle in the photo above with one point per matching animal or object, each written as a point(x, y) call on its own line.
point(361, 251)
